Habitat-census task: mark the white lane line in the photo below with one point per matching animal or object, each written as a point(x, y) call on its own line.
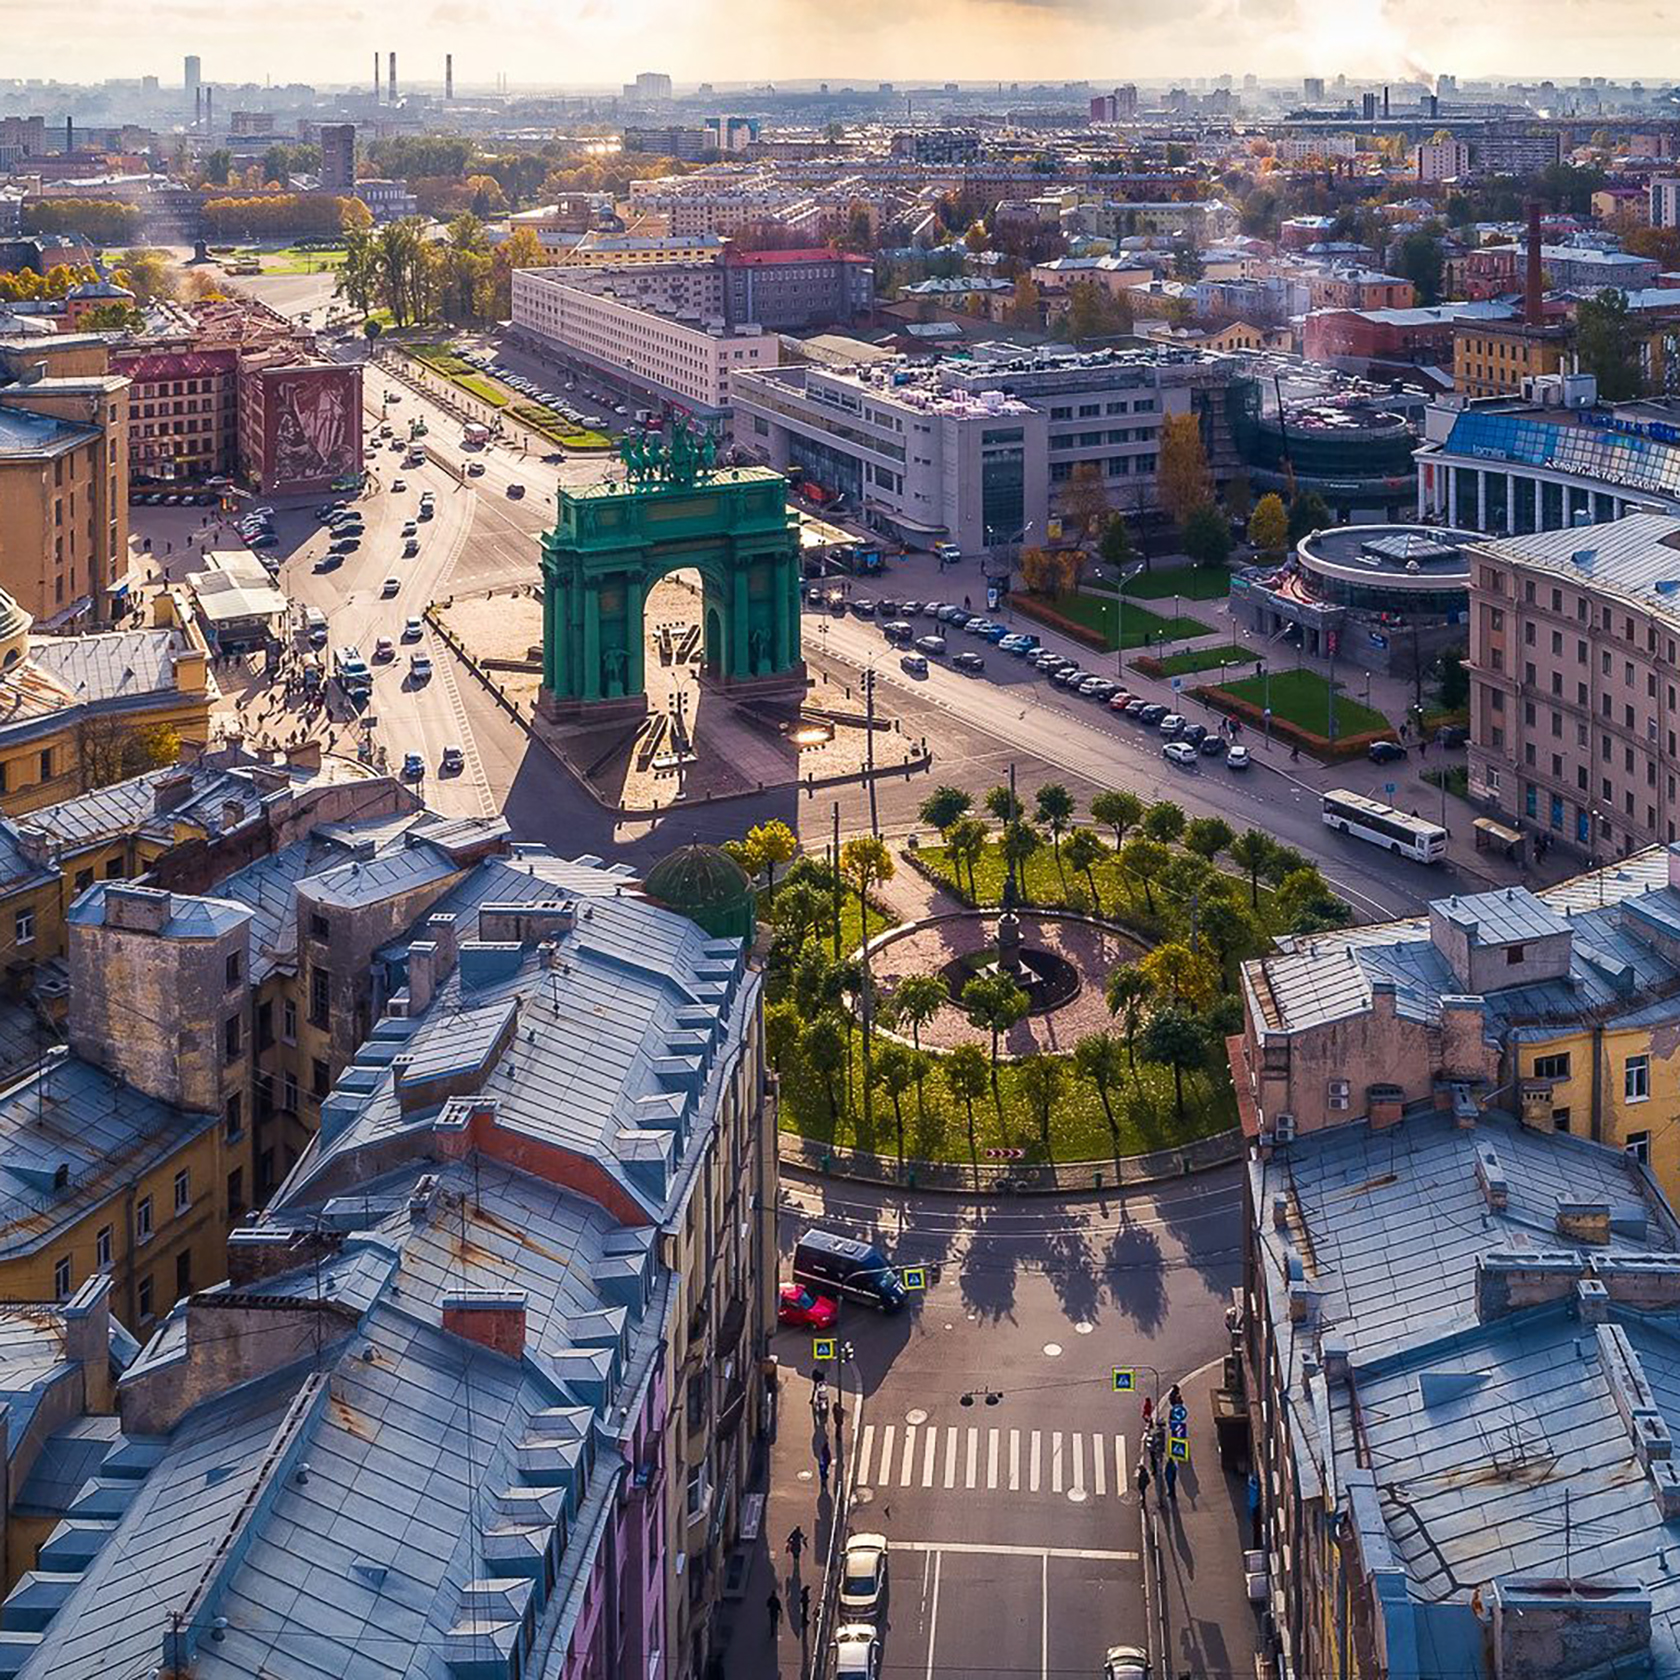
point(933, 1615)
point(909, 1455)
point(1120, 1482)
point(950, 1455)
point(1056, 1461)
point(866, 1450)
point(930, 1436)
point(1014, 1460)
point(1032, 1480)
point(973, 1454)
point(884, 1472)
point(977, 1548)
point(991, 1458)
point(1044, 1625)
point(1077, 1442)
point(1099, 1466)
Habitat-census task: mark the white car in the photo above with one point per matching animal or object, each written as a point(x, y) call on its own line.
point(399, 484)
point(857, 1652)
point(390, 587)
point(1180, 753)
point(412, 629)
point(864, 1577)
point(420, 667)
point(1126, 1662)
point(1237, 758)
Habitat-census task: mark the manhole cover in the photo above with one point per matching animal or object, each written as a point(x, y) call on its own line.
point(863, 1495)
point(1083, 1329)
point(1052, 1350)
point(915, 1417)
point(805, 1475)
point(1078, 1495)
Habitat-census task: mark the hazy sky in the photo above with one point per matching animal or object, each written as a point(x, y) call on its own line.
point(577, 42)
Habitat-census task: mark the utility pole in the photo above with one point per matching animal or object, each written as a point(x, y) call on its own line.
point(834, 859)
point(869, 750)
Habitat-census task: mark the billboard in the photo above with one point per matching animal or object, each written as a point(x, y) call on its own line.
point(312, 428)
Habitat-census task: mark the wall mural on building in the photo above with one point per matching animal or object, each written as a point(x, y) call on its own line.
point(314, 438)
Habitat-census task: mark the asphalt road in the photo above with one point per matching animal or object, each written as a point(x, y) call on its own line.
point(1013, 1523)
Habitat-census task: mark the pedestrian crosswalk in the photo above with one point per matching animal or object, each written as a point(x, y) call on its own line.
point(976, 1458)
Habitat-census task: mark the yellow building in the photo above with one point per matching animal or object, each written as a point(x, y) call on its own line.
point(1493, 358)
point(63, 478)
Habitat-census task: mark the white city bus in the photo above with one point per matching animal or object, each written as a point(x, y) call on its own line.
point(1382, 825)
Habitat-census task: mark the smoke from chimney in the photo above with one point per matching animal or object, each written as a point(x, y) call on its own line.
point(449, 75)
point(1533, 312)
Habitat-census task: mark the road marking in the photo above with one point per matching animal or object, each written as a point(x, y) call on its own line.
point(1078, 1443)
point(1032, 1482)
point(885, 1469)
point(933, 1616)
point(931, 1436)
point(973, 1453)
point(866, 1449)
point(1120, 1482)
point(1099, 1466)
point(1056, 1461)
point(992, 1457)
point(977, 1548)
point(1014, 1460)
point(909, 1455)
point(1044, 1625)
point(950, 1456)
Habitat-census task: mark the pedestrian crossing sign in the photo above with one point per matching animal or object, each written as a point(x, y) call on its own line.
point(1178, 1450)
point(1125, 1382)
point(914, 1277)
point(822, 1347)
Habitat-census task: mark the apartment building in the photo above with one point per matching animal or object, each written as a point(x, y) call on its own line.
point(792, 291)
point(623, 327)
point(1574, 637)
point(1496, 357)
point(1665, 201)
point(63, 478)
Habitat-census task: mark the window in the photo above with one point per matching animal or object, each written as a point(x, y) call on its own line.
point(235, 968)
point(318, 928)
point(102, 1248)
point(288, 1021)
point(23, 924)
point(1514, 954)
point(47, 765)
point(1560, 1119)
point(61, 1279)
point(231, 1039)
point(183, 1272)
point(114, 869)
point(1636, 1078)
point(1552, 1067)
point(1638, 1145)
point(698, 1492)
point(235, 1115)
point(183, 1190)
point(321, 1078)
point(236, 1192)
point(289, 1091)
point(144, 1296)
point(143, 1220)
point(84, 879)
point(320, 996)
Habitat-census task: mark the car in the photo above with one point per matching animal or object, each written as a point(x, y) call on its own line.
point(889, 609)
point(413, 629)
point(1238, 758)
point(1043, 659)
point(411, 548)
point(1015, 643)
point(978, 626)
point(1151, 714)
point(475, 469)
point(1180, 753)
point(897, 630)
point(950, 553)
point(384, 649)
point(973, 663)
point(934, 645)
point(453, 762)
point(857, 1652)
point(420, 667)
point(1452, 735)
point(863, 1575)
point(802, 1307)
point(932, 609)
point(913, 664)
point(1213, 745)
point(398, 445)
point(398, 485)
point(390, 587)
point(994, 633)
point(1194, 733)
point(1171, 725)
point(1096, 688)
point(864, 608)
point(515, 491)
point(1125, 1662)
point(1070, 676)
point(1135, 708)
point(1385, 752)
point(413, 767)
point(1120, 700)
point(264, 539)
point(909, 609)
point(410, 528)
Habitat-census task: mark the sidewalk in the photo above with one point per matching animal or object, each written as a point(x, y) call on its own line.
point(1212, 1629)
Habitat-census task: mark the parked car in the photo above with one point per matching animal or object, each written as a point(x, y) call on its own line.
point(863, 1578)
point(1452, 735)
point(1182, 754)
point(970, 662)
point(1385, 752)
point(1172, 725)
point(475, 469)
point(1126, 1662)
point(1096, 688)
point(1152, 714)
point(1136, 707)
point(934, 645)
point(1014, 642)
point(1213, 745)
point(1194, 733)
point(914, 664)
point(909, 609)
point(802, 1307)
point(864, 608)
point(857, 1653)
point(515, 491)
point(1238, 758)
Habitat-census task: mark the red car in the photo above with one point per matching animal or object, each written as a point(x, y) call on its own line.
point(800, 1307)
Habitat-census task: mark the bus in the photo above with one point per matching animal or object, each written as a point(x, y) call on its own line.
point(475, 434)
point(1382, 825)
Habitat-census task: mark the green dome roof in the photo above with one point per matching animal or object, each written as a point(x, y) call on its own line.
point(708, 886)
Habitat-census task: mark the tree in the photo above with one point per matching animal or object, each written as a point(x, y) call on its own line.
point(1164, 821)
point(1228, 927)
point(1119, 809)
point(1144, 860)
point(149, 274)
point(1207, 837)
point(1420, 261)
point(1607, 346)
point(799, 909)
point(943, 807)
point(1018, 843)
point(1307, 513)
point(1455, 680)
point(1179, 976)
point(1250, 851)
point(1239, 497)
point(218, 164)
point(916, 1000)
point(371, 329)
point(1268, 525)
point(1097, 1057)
point(1307, 904)
point(110, 750)
point(1084, 501)
point(1182, 479)
point(1039, 1079)
point(1083, 851)
point(1002, 804)
point(895, 1072)
point(1095, 313)
point(824, 1045)
point(521, 249)
point(781, 1034)
point(1207, 535)
point(1053, 807)
point(1127, 992)
point(353, 216)
point(966, 1073)
point(1025, 311)
point(1176, 1039)
point(767, 845)
point(1115, 545)
point(966, 843)
point(994, 1003)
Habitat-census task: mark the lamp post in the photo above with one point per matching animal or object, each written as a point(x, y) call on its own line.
point(1266, 698)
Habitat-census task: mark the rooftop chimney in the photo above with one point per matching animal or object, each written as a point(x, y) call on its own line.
point(1533, 313)
point(494, 1318)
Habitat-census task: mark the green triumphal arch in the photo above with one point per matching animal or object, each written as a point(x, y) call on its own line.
point(613, 541)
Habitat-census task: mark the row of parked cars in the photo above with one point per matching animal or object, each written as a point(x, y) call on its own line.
point(551, 400)
point(159, 498)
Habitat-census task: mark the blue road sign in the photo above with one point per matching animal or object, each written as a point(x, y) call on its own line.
point(822, 1347)
point(914, 1277)
point(1178, 1451)
point(1391, 787)
point(1125, 1382)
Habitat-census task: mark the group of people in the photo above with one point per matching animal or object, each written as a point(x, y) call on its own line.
point(1152, 1470)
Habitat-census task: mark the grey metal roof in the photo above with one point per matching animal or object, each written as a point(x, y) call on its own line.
point(191, 915)
point(1636, 558)
point(114, 665)
point(1506, 916)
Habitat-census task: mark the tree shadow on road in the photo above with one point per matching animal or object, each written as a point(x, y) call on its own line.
point(1073, 1274)
point(1132, 1268)
point(987, 1269)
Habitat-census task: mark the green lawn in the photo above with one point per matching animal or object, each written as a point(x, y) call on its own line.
point(557, 428)
point(1303, 698)
point(1206, 659)
point(291, 260)
point(1142, 627)
point(443, 360)
point(1193, 583)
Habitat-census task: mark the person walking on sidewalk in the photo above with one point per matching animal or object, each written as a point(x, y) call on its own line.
point(773, 1607)
point(839, 1410)
point(825, 1459)
point(1143, 1486)
point(804, 1607)
point(795, 1545)
point(819, 1402)
point(1172, 1480)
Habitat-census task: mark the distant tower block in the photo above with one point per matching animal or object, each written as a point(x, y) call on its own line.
point(449, 75)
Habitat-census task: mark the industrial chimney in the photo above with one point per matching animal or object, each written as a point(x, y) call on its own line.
point(1385, 104)
point(376, 75)
point(198, 107)
point(209, 110)
point(449, 75)
point(391, 78)
point(1533, 312)
point(69, 135)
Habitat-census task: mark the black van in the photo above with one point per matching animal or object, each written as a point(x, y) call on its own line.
point(848, 1269)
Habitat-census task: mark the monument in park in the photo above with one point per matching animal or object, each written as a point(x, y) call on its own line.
point(673, 509)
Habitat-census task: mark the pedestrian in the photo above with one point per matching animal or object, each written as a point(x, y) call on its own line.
point(1172, 1479)
point(773, 1606)
point(825, 1458)
point(1143, 1484)
point(839, 1410)
point(804, 1607)
point(1148, 1410)
point(1175, 1396)
point(795, 1545)
point(819, 1400)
